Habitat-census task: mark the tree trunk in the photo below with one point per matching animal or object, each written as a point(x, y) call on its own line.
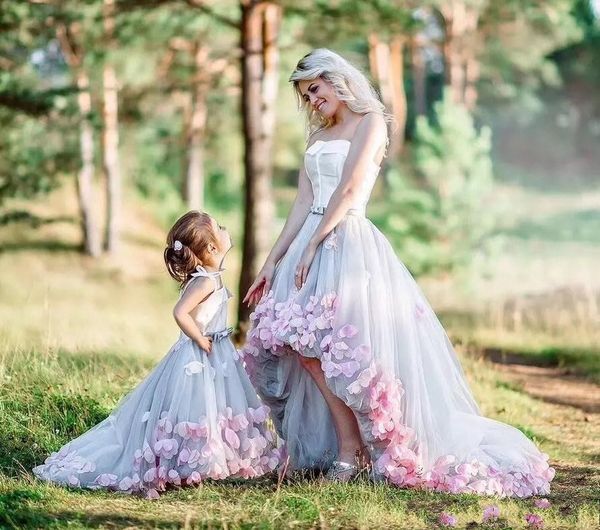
point(260, 23)
point(85, 178)
point(110, 137)
point(419, 76)
point(472, 66)
point(399, 104)
point(194, 178)
point(472, 76)
point(460, 51)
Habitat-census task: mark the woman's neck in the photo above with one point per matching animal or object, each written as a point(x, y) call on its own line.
point(343, 115)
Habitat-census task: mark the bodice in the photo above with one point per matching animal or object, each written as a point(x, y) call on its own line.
point(324, 161)
point(211, 314)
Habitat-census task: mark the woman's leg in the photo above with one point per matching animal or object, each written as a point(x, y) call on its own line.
point(346, 427)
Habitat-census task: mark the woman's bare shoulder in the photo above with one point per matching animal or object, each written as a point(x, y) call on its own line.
point(371, 125)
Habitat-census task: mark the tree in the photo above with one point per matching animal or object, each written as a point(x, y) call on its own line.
point(67, 34)
point(258, 40)
point(34, 147)
point(110, 133)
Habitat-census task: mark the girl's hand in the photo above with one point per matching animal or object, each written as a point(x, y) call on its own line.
point(205, 343)
point(261, 285)
point(304, 265)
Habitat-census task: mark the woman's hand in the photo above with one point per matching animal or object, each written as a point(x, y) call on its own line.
point(205, 343)
point(261, 285)
point(304, 264)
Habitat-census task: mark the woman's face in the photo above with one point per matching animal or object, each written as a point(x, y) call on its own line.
point(320, 95)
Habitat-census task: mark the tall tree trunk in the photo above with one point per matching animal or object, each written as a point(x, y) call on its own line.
point(472, 76)
point(260, 23)
point(379, 61)
point(110, 137)
point(387, 68)
point(419, 75)
point(460, 51)
point(388, 64)
point(194, 179)
point(399, 104)
point(472, 66)
point(85, 178)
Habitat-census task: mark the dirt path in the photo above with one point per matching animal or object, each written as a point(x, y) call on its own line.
point(554, 385)
point(575, 404)
point(548, 383)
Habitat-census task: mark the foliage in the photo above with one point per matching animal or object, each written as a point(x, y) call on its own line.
point(446, 214)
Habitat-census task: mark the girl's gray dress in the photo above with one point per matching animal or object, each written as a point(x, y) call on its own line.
point(195, 416)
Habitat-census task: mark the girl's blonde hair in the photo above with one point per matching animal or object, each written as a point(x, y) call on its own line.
point(350, 85)
point(187, 244)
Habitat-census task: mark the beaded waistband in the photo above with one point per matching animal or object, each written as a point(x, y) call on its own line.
point(320, 210)
point(218, 335)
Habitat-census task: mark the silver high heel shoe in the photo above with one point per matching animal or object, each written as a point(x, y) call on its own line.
point(341, 472)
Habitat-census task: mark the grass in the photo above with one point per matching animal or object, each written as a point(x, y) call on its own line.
point(76, 335)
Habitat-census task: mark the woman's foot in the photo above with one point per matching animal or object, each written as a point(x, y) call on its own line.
point(341, 472)
point(357, 453)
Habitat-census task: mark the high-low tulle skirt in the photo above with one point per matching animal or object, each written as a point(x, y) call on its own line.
point(195, 416)
point(385, 354)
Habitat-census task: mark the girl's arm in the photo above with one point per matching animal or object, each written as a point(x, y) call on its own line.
point(194, 294)
point(370, 134)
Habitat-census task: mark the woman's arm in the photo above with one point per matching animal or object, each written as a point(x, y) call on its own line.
point(370, 134)
point(295, 219)
point(194, 294)
point(294, 222)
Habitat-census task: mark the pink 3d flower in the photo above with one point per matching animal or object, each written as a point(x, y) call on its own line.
point(447, 519)
point(491, 513)
point(534, 521)
point(166, 448)
point(541, 503)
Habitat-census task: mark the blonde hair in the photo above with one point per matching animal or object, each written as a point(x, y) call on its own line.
point(349, 84)
point(193, 232)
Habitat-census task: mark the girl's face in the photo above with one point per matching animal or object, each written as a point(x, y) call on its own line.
point(320, 95)
point(222, 235)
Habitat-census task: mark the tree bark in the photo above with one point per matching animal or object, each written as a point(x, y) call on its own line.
point(110, 137)
point(259, 30)
point(460, 51)
point(399, 104)
point(194, 180)
point(85, 177)
point(419, 76)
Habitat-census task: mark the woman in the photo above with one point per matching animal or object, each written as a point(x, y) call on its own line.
point(343, 346)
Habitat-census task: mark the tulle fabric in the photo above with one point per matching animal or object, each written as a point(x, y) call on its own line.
point(385, 354)
point(195, 416)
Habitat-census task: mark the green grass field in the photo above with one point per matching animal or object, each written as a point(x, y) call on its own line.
point(75, 335)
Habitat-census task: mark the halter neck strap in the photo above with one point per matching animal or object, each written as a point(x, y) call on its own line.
point(201, 271)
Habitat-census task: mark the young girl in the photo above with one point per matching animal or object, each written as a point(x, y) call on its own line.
point(196, 415)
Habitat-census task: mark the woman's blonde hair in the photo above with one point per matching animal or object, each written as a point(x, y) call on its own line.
point(350, 85)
